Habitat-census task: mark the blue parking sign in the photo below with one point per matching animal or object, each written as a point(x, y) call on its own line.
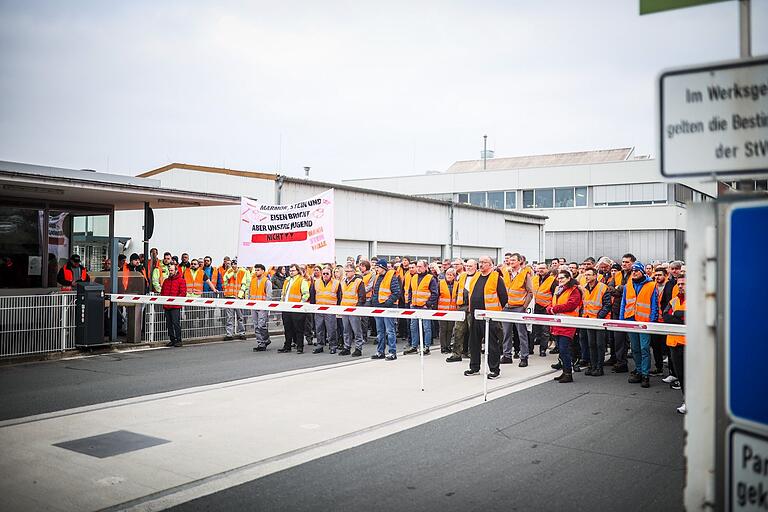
point(746, 330)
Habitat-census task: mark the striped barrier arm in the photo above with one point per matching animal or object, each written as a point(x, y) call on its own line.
point(581, 323)
point(292, 307)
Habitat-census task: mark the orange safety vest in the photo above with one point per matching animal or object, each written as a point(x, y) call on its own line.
point(407, 286)
point(639, 306)
point(542, 291)
point(490, 295)
point(618, 278)
point(385, 288)
point(294, 293)
point(447, 299)
point(234, 283)
point(593, 300)
point(367, 279)
point(562, 298)
point(349, 291)
point(461, 280)
point(516, 287)
point(126, 277)
point(194, 282)
point(420, 290)
point(674, 340)
point(582, 279)
point(258, 288)
point(326, 294)
point(69, 276)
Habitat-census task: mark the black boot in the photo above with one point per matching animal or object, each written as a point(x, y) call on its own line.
point(566, 377)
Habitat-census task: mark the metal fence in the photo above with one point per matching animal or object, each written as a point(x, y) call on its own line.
point(200, 322)
point(31, 324)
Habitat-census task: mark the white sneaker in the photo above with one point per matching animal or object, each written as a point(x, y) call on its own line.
point(682, 409)
point(669, 379)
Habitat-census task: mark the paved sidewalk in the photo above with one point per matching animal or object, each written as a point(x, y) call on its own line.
point(224, 434)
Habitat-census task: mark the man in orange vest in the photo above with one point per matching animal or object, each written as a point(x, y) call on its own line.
point(72, 272)
point(596, 304)
point(325, 291)
point(259, 287)
point(446, 301)
point(366, 322)
point(620, 338)
point(295, 289)
point(639, 303)
point(486, 291)
point(423, 295)
point(461, 328)
point(520, 292)
point(352, 294)
point(675, 314)
point(386, 291)
point(233, 318)
point(544, 284)
point(408, 270)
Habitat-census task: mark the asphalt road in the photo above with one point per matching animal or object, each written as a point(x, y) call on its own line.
point(41, 387)
point(598, 444)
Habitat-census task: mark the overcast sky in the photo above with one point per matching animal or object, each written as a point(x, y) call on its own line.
point(352, 89)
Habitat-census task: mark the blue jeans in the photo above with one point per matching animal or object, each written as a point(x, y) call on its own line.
point(641, 351)
point(385, 334)
point(564, 345)
point(427, 328)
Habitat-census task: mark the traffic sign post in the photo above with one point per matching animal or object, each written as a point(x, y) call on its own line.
point(713, 119)
point(742, 391)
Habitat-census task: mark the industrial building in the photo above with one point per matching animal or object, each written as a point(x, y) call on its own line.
point(367, 222)
point(597, 203)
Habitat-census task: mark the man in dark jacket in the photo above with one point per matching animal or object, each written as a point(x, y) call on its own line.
point(479, 299)
point(173, 286)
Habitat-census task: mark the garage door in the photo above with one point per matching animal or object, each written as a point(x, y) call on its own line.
point(389, 249)
point(523, 238)
point(353, 248)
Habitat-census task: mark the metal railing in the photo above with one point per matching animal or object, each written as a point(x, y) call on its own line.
point(200, 322)
point(32, 324)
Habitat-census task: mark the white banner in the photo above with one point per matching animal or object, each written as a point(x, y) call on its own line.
point(273, 234)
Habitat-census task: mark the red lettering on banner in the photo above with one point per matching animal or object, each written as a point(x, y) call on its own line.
point(268, 238)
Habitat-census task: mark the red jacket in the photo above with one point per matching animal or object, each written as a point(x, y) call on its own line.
point(174, 287)
point(573, 304)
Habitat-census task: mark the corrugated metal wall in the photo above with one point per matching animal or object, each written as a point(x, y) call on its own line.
point(646, 245)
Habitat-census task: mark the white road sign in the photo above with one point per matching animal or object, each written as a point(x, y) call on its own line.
point(748, 471)
point(714, 119)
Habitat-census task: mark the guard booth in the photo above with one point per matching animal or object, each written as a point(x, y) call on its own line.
point(49, 213)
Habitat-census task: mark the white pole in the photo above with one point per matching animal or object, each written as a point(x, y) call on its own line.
point(485, 359)
point(421, 351)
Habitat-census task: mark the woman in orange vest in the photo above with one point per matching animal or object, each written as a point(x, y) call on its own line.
point(544, 284)
point(352, 294)
point(446, 301)
point(597, 304)
point(675, 314)
point(567, 301)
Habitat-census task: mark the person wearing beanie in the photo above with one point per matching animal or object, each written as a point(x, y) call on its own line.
point(639, 303)
point(385, 294)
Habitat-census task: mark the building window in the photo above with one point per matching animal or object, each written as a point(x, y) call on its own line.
point(630, 195)
point(511, 200)
point(528, 199)
point(581, 196)
point(462, 198)
point(477, 198)
point(563, 197)
point(496, 200)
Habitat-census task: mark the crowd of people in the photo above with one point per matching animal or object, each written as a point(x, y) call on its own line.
point(625, 290)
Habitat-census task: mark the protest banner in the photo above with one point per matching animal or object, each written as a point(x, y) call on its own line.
point(281, 234)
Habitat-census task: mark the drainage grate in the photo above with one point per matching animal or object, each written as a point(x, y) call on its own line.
point(111, 443)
